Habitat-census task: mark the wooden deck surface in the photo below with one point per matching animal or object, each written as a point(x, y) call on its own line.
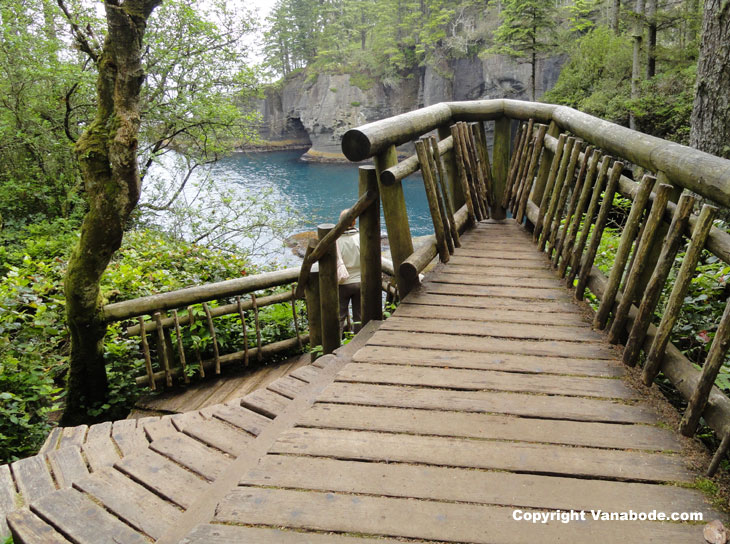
point(485, 393)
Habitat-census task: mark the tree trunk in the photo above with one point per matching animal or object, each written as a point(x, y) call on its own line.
point(107, 154)
point(615, 14)
point(651, 39)
point(638, 35)
point(711, 109)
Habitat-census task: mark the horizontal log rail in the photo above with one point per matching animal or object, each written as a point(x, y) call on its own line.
point(700, 172)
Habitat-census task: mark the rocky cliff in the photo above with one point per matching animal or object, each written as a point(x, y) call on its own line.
point(315, 114)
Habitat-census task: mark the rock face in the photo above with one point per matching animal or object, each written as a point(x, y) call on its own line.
point(318, 113)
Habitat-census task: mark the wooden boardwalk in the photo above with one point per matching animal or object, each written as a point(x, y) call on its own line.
point(486, 393)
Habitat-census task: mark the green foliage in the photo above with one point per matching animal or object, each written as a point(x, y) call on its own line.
point(33, 336)
point(597, 77)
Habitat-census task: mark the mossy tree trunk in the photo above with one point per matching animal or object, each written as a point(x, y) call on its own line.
point(711, 110)
point(107, 154)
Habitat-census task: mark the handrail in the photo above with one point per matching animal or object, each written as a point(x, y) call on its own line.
point(700, 172)
point(119, 311)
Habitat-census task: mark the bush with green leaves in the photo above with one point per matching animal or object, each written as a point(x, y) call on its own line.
point(34, 339)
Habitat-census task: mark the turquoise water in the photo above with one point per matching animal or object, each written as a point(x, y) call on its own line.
point(317, 191)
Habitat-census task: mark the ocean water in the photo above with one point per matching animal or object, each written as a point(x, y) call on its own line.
point(316, 192)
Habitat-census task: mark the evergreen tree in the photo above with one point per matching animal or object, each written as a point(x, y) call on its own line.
point(527, 32)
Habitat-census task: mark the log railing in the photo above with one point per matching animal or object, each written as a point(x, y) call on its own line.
point(176, 315)
point(559, 179)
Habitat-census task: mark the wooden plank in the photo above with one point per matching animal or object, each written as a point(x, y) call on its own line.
point(432, 311)
point(242, 418)
point(305, 373)
point(485, 277)
point(539, 263)
point(164, 477)
point(72, 436)
point(430, 520)
point(100, 452)
point(83, 520)
point(213, 432)
point(128, 437)
point(190, 453)
point(518, 253)
point(486, 361)
point(470, 453)
point(481, 380)
point(505, 271)
point(492, 303)
point(51, 442)
point(131, 502)
point(159, 429)
point(8, 495)
point(216, 533)
point(496, 427)
point(473, 486)
point(266, 403)
point(99, 430)
point(32, 478)
point(287, 386)
point(519, 404)
point(68, 465)
point(27, 528)
point(560, 295)
point(495, 329)
point(494, 345)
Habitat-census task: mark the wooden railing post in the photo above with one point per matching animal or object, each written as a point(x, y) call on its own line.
point(314, 315)
point(329, 296)
point(370, 264)
point(547, 159)
point(396, 219)
point(500, 164)
point(454, 187)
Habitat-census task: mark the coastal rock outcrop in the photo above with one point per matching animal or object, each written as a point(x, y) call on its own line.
point(314, 113)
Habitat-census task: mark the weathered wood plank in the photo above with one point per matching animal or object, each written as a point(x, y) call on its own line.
point(474, 486)
point(497, 329)
point(287, 386)
point(540, 263)
point(493, 345)
point(128, 437)
point(265, 402)
point(216, 533)
point(305, 373)
point(131, 502)
point(213, 432)
point(72, 436)
point(164, 477)
point(560, 295)
point(429, 520)
point(51, 442)
point(469, 453)
point(490, 303)
point(68, 465)
point(479, 380)
point(452, 358)
point(8, 495)
point(100, 452)
point(159, 429)
point(432, 311)
point(518, 253)
point(27, 528)
point(76, 515)
point(190, 453)
point(241, 417)
point(32, 478)
point(487, 278)
point(496, 427)
point(519, 404)
point(99, 430)
point(500, 271)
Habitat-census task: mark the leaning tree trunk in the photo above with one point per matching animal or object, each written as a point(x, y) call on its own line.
point(615, 15)
point(711, 110)
point(107, 154)
point(638, 36)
